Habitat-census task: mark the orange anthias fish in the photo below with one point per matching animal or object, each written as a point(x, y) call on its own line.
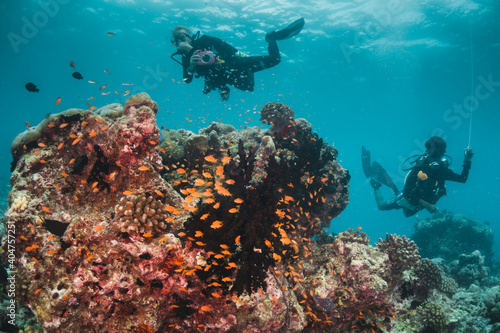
point(210, 159)
point(216, 224)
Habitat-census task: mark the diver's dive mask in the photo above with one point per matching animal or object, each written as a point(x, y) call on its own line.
point(180, 37)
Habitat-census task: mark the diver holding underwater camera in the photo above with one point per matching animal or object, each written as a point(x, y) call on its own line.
point(206, 57)
point(220, 63)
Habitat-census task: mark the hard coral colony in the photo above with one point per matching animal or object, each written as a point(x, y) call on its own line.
point(121, 232)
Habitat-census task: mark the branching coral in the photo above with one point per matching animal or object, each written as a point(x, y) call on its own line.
point(403, 255)
point(353, 236)
point(402, 252)
point(433, 317)
point(20, 203)
point(448, 285)
point(429, 274)
point(143, 214)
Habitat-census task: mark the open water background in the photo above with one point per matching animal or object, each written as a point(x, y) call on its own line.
point(384, 74)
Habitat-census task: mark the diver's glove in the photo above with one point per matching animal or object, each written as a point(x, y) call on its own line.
point(468, 154)
point(224, 94)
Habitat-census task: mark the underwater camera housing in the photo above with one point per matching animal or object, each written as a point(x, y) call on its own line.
point(206, 58)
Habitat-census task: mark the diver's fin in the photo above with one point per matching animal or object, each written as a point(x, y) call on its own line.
point(291, 30)
point(365, 161)
point(378, 173)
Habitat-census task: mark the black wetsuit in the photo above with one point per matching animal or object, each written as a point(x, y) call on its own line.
point(430, 187)
point(231, 68)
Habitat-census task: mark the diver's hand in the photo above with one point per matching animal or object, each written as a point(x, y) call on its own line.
point(193, 62)
point(430, 207)
point(224, 94)
point(468, 153)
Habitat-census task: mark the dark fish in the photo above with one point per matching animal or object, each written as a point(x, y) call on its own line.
point(31, 87)
point(110, 34)
point(77, 75)
point(72, 64)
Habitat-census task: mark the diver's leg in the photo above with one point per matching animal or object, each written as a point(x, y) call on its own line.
point(243, 80)
point(379, 198)
point(258, 63)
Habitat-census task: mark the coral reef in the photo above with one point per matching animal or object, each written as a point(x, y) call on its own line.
point(121, 227)
point(433, 317)
point(143, 214)
point(448, 286)
point(469, 269)
point(19, 203)
point(449, 235)
point(429, 274)
point(119, 231)
point(402, 252)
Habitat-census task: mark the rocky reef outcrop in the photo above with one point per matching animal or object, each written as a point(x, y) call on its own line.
point(448, 235)
point(119, 226)
point(117, 230)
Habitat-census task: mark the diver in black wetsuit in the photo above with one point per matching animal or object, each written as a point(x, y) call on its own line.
point(424, 183)
point(221, 64)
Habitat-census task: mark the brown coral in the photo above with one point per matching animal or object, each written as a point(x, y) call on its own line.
point(276, 114)
point(402, 252)
point(142, 213)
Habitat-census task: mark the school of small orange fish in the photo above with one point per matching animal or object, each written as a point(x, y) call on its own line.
point(234, 249)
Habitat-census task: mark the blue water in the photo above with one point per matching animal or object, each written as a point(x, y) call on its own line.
point(384, 74)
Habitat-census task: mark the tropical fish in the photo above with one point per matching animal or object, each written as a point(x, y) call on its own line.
point(217, 224)
point(31, 87)
point(110, 34)
point(72, 64)
point(210, 159)
point(77, 75)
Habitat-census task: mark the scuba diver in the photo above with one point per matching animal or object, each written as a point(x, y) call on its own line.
point(220, 63)
point(425, 182)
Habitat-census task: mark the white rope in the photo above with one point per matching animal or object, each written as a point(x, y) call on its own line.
point(471, 80)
